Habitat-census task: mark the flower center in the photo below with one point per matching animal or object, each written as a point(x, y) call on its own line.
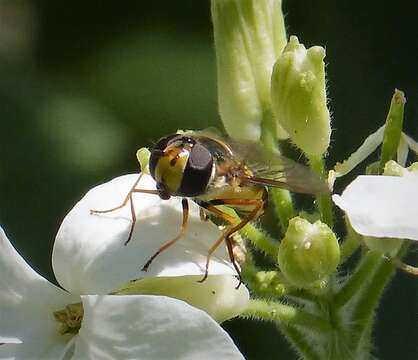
point(70, 318)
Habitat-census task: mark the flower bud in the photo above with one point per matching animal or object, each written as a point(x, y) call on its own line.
point(309, 253)
point(299, 97)
point(249, 36)
point(413, 168)
point(392, 168)
point(393, 128)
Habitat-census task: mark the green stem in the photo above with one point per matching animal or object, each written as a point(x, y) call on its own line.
point(361, 295)
point(283, 206)
point(299, 343)
point(261, 240)
point(287, 315)
point(257, 237)
point(365, 343)
point(281, 198)
point(349, 246)
point(351, 243)
point(357, 280)
point(363, 312)
point(393, 129)
point(302, 295)
point(324, 202)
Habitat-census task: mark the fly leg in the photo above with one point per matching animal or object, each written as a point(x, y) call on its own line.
point(232, 229)
point(210, 252)
point(166, 245)
point(207, 205)
point(203, 215)
point(129, 199)
point(222, 215)
point(258, 205)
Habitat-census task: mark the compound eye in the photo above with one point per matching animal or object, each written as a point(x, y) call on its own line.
point(158, 151)
point(200, 158)
point(197, 172)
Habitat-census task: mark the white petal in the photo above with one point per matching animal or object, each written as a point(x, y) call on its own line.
point(217, 295)
point(382, 206)
point(27, 303)
point(53, 350)
point(89, 255)
point(402, 152)
point(369, 145)
point(149, 327)
point(8, 351)
point(31, 350)
point(413, 145)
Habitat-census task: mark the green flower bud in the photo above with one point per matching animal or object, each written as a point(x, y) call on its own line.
point(393, 128)
point(299, 97)
point(309, 253)
point(413, 168)
point(249, 37)
point(392, 168)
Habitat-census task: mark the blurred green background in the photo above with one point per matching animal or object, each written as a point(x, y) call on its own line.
point(83, 84)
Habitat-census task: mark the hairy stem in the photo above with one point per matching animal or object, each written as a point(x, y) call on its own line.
point(349, 246)
point(370, 295)
point(261, 241)
point(299, 343)
point(287, 315)
point(357, 280)
point(281, 198)
point(324, 202)
point(363, 314)
point(351, 243)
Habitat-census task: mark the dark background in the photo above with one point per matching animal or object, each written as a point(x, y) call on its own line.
point(83, 84)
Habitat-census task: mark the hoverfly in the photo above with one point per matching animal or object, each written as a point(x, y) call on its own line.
point(213, 171)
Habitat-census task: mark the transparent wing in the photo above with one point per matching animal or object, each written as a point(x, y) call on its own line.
point(272, 169)
point(269, 168)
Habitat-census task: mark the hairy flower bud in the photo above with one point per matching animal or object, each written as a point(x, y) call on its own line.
point(392, 168)
point(299, 97)
point(249, 36)
point(309, 253)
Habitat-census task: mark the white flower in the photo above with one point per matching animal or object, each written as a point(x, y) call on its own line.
point(88, 247)
point(89, 258)
point(382, 206)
